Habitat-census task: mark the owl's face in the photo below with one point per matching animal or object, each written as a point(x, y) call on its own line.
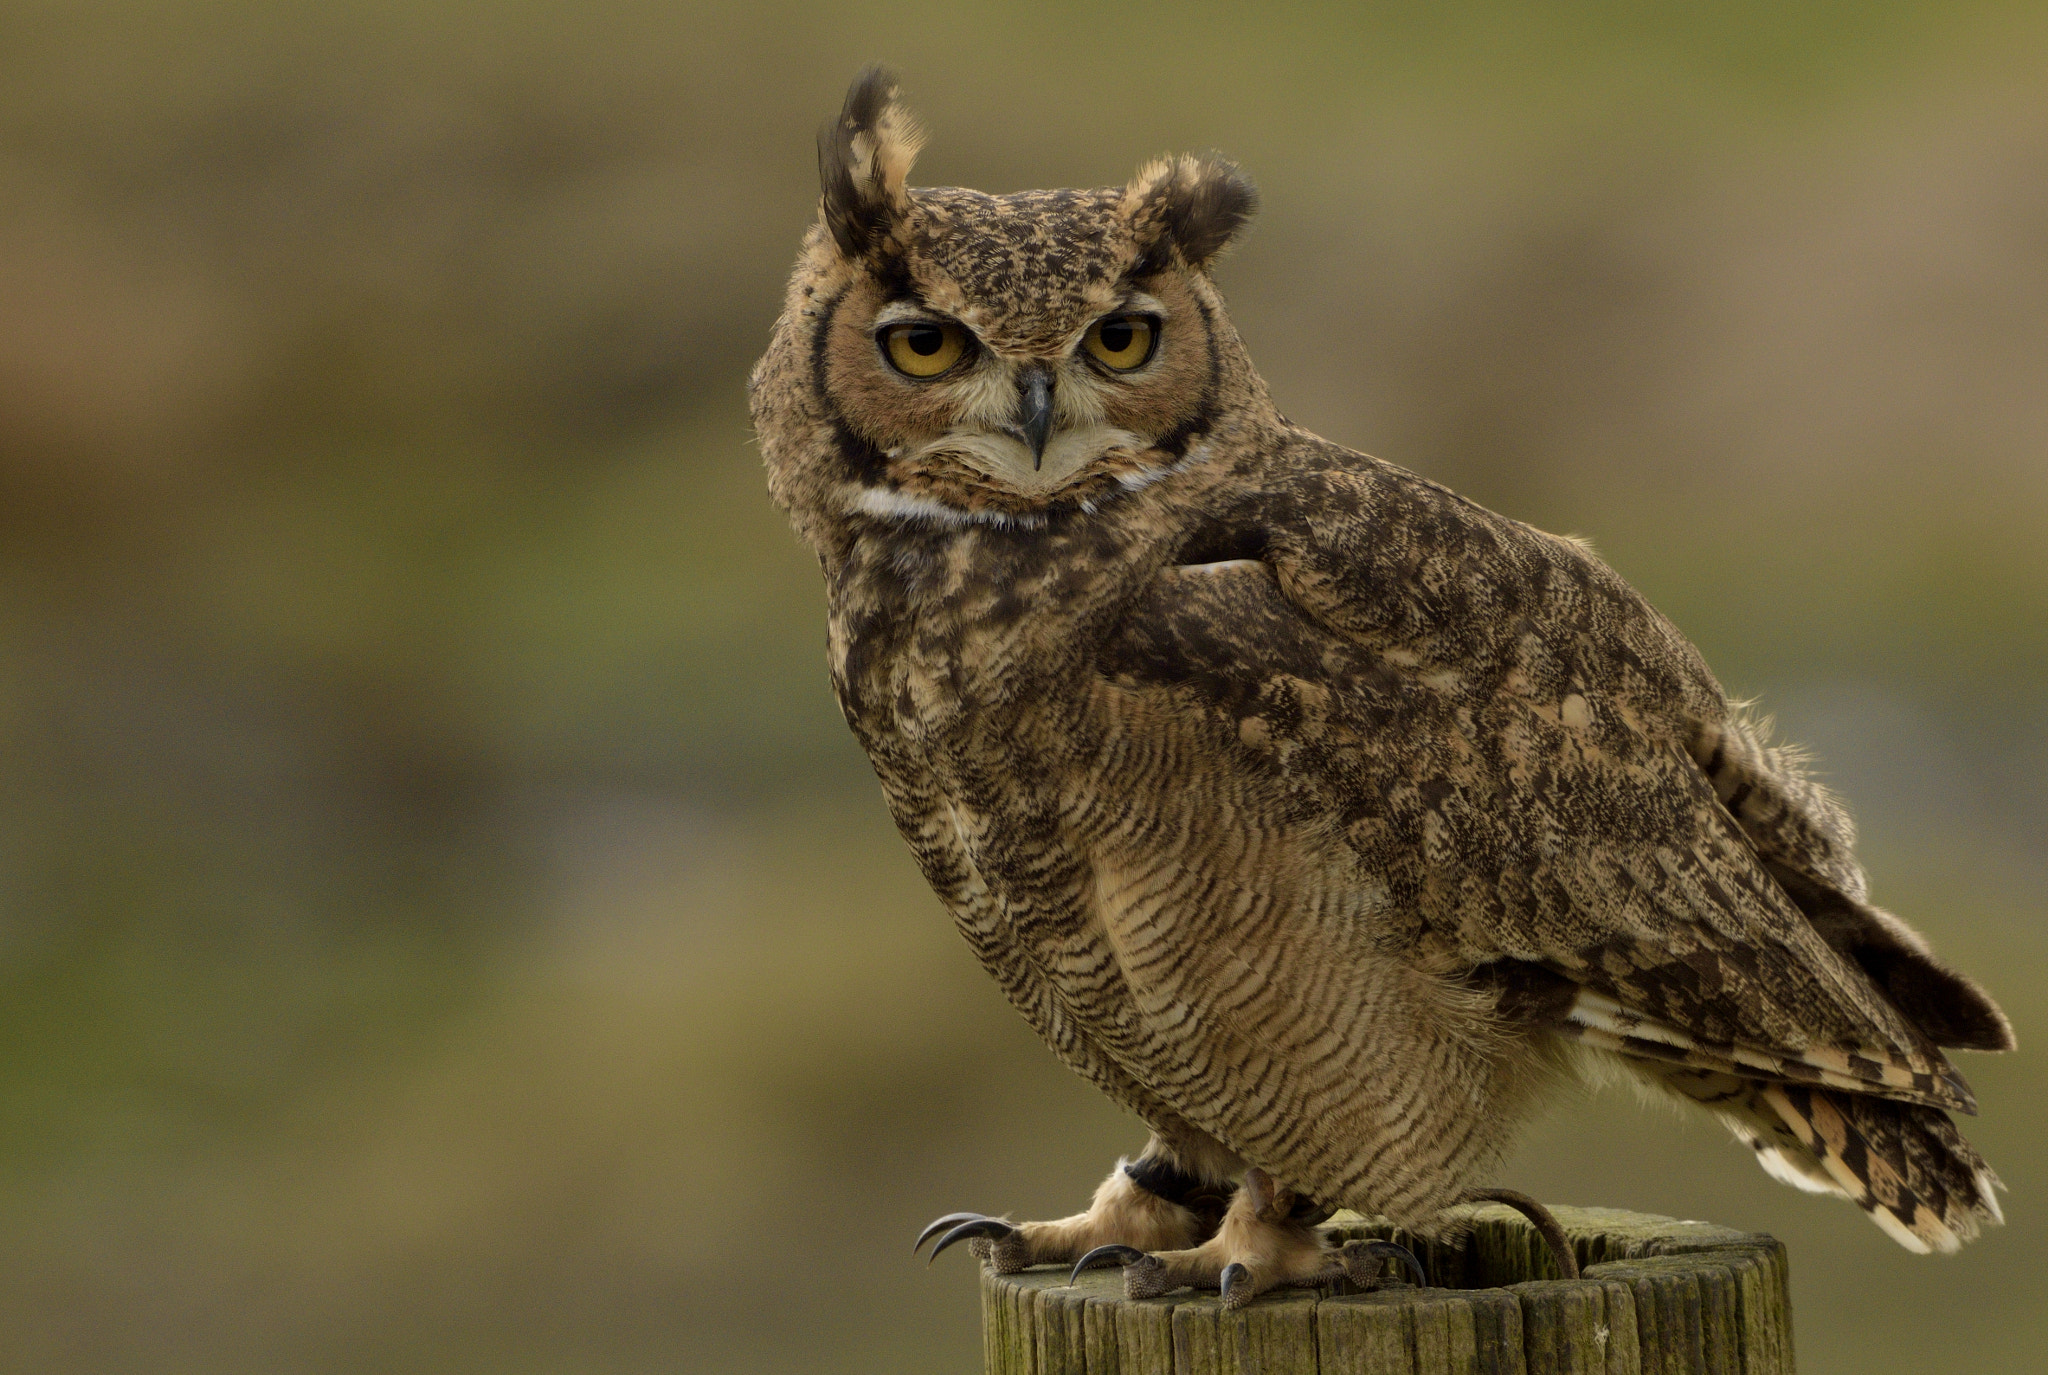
point(957, 356)
point(1023, 343)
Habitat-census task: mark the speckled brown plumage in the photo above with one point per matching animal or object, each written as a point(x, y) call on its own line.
point(1314, 813)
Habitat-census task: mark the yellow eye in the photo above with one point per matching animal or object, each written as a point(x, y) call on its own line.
point(1122, 342)
point(920, 348)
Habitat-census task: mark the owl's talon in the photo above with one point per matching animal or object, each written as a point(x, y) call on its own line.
point(1363, 1261)
point(1122, 1255)
point(991, 1228)
point(1235, 1284)
point(941, 1224)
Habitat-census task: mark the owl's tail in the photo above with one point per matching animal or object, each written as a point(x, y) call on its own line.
point(1904, 1164)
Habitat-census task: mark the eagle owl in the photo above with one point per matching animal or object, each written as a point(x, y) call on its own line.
point(1322, 818)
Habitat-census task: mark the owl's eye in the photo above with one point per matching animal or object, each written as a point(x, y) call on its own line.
point(1122, 342)
point(920, 348)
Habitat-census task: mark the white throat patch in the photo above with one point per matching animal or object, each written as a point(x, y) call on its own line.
point(889, 503)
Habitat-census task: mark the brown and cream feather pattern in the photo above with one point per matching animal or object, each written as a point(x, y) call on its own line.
point(1308, 809)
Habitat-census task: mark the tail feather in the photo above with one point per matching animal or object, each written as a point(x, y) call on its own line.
point(1904, 1164)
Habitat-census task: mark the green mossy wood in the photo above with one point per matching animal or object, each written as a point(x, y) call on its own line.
point(1657, 1297)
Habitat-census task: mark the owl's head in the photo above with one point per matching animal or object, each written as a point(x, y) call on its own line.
point(950, 356)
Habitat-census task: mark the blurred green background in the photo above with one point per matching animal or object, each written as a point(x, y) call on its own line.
point(444, 923)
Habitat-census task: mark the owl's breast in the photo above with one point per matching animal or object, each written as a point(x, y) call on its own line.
point(974, 647)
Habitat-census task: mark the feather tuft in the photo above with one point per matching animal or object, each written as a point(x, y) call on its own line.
point(1192, 205)
point(864, 161)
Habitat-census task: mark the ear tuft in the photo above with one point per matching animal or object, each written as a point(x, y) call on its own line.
point(864, 160)
point(1197, 205)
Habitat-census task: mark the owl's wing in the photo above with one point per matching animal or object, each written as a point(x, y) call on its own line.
point(1505, 734)
point(1804, 839)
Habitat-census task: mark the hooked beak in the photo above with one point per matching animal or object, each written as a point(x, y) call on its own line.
point(1034, 411)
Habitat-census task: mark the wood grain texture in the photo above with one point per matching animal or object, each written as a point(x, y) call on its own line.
point(1657, 1297)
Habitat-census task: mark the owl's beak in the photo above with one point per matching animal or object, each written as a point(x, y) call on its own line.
point(1034, 411)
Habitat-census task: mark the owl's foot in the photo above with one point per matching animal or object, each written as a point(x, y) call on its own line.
point(1264, 1243)
point(1124, 1213)
point(1546, 1225)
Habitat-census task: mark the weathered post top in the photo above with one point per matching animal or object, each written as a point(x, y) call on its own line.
point(1656, 1297)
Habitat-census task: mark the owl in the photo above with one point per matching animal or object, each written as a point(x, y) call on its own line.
point(1325, 820)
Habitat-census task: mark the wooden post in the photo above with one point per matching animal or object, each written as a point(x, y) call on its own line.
point(1657, 1297)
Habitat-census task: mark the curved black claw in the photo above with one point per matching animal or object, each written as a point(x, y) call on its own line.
point(995, 1229)
point(1389, 1250)
point(1546, 1225)
point(1233, 1274)
point(1122, 1255)
point(949, 1220)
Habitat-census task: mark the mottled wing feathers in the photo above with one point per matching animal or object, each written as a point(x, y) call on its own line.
point(1699, 958)
point(1502, 730)
point(1793, 821)
point(1803, 837)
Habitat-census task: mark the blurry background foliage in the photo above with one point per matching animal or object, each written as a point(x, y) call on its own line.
point(444, 923)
